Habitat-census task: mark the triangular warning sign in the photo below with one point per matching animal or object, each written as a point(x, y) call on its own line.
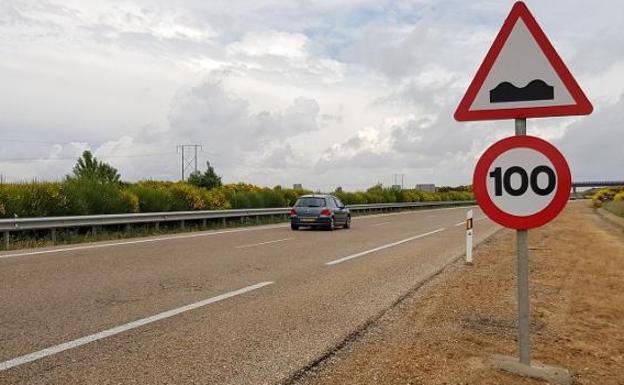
point(522, 76)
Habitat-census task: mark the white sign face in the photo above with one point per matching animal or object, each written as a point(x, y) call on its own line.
point(521, 182)
point(521, 77)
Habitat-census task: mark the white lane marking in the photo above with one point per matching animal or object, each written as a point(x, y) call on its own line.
point(98, 246)
point(263, 243)
point(411, 212)
point(122, 328)
point(382, 247)
point(380, 224)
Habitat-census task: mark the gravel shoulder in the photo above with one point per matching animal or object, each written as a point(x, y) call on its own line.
point(445, 332)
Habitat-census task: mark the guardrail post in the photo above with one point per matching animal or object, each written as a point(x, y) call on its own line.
point(7, 238)
point(224, 221)
point(93, 231)
point(242, 220)
point(257, 219)
point(53, 234)
point(182, 224)
point(157, 226)
point(204, 223)
point(128, 227)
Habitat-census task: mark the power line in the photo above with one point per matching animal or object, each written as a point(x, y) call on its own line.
point(76, 157)
point(34, 141)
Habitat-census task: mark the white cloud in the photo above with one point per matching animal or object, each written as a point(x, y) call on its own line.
point(341, 92)
point(289, 45)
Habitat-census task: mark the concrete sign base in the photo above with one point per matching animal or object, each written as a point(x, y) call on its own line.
point(551, 374)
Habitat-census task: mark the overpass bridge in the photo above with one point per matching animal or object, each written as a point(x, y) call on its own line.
point(600, 183)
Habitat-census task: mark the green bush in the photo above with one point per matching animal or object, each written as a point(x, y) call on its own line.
point(79, 196)
point(214, 199)
point(240, 201)
point(185, 197)
point(86, 196)
point(33, 199)
point(603, 195)
point(151, 198)
point(272, 198)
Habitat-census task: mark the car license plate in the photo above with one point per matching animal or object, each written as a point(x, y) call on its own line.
point(307, 219)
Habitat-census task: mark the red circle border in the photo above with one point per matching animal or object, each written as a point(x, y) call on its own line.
point(562, 170)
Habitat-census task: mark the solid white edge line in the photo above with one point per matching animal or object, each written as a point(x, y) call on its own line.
point(169, 238)
point(122, 328)
point(380, 224)
point(263, 243)
point(383, 247)
point(410, 212)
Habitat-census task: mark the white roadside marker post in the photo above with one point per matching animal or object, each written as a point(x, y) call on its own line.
point(469, 224)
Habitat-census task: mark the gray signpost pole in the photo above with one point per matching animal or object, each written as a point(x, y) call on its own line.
point(524, 331)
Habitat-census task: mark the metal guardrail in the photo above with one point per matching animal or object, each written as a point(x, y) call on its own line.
point(52, 223)
point(600, 183)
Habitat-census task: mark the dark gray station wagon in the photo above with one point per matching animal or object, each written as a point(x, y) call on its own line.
point(324, 211)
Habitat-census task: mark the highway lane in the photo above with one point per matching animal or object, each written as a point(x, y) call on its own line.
point(257, 337)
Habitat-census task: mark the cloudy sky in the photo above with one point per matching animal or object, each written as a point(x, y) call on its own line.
point(324, 93)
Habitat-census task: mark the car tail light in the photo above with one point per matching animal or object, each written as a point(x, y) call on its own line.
point(293, 212)
point(326, 212)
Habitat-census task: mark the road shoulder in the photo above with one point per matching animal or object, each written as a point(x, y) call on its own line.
point(445, 332)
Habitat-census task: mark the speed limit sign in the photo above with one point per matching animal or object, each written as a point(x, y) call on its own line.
point(522, 182)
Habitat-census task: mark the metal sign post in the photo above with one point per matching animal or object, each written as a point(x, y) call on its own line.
point(524, 327)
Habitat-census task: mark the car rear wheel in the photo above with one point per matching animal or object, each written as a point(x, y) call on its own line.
point(332, 225)
point(294, 226)
point(347, 224)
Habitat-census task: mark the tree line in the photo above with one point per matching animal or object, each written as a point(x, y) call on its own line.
point(95, 187)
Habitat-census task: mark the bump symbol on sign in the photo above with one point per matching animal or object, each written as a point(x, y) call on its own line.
point(535, 90)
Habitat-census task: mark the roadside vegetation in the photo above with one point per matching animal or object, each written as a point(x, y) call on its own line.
point(611, 199)
point(95, 187)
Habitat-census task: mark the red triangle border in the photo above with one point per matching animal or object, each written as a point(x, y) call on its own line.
point(520, 11)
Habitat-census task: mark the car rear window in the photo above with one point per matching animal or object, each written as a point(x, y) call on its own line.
point(310, 202)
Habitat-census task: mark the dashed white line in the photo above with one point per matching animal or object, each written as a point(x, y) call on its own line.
point(263, 243)
point(383, 247)
point(122, 328)
point(380, 224)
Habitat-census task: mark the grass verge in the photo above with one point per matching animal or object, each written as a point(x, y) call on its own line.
point(616, 207)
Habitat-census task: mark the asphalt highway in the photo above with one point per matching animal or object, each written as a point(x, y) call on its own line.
point(240, 306)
